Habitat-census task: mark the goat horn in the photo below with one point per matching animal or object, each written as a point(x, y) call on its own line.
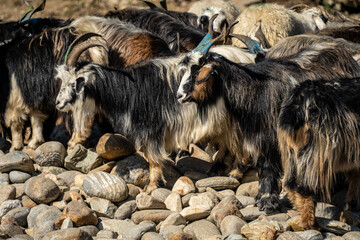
point(28, 14)
point(299, 8)
point(163, 4)
point(229, 30)
point(79, 45)
point(251, 44)
point(211, 22)
point(150, 4)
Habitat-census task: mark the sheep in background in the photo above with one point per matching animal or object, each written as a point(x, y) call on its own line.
point(276, 22)
point(205, 9)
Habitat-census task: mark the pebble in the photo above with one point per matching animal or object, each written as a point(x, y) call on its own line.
point(218, 183)
point(224, 208)
point(169, 230)
point(50, 154)
point(185, 199)
point(251, 213)
point(231, 225)
point(328, 211)
point(310, 235)
point(248, 189)
point(82, 159)
point(194, 213)
point(19, 214)
point(125, 210)
point(333, 226)
point(90, 229)
point(182, 236)
point(41, 189)
point(67, 223)
point(145, 201)
point(351, 236)
point(173, 202)
point(134, 169)
point(107, 167)
point(112, 146)
point(154, 215)
point(4, 179)
point(102, 207)
point(106, 234)
point(174, 219)
point(34, 212)
point(18, 177)
point(7, 192)
point(9, 227)
point(79, 213)
point(152, 236)
point(246, 200)
point(8, 205)
point(266, 230)
point(53, 170)
point(202, 229)
point(69, 233)
point(16, 160)
point(183, 186)
point(69, 177)
point(49, 216)
point(289, 235)
point(126, 229)
point(27, 202)
point(160, 194)
point(105, 185)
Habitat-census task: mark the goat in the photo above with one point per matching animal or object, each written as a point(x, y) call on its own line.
point(253, 94)
point(205, 9)
point(276, 22)
point(349, 33)
point(318, 132)
point(27, 86)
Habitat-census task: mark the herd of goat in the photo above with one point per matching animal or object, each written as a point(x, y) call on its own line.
point(280, 90)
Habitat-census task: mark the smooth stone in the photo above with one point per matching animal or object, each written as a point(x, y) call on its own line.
point(59, 204)
point(82, 160)
point(328, 235)
point(186, 199)
point(218, 183)
point(184, 186)
point(251, 213)
point(69, 233)
point(19, 188)
point(231, 225)
point(261, 230)
point(4, 179)
point(182, 236)
point(41, 190)
point(128, 229)
point(53, 170)
point(18, 177)
point(295, 223)
point(107, 167)
point(333, 226)
point(289, 235)
point(67, 223)
point(194, 213)
point(174, 219)
point(235, 237)
point(102, 207)
point(160, 194)
point(169, 230)
point(173, 202)
point(16, 160)
point(27, 202)
point(19, 214)
point(310, 235)
point(125, 210)
point(79, 213)
point(8, 205)
point(228, 206)
point(187, 164)
point(154, 215)
point(41, 231)
point(134, 169)
point(202, 229)
point(227, 192)
point(107, 234)
point(145, 201)
point(326, 210)
point(50, 154)
point(105, 185)
point(90, 229)
point(152, 236)
point(205, 200)
point(112, 146)
point(34, 212)
point(351, 236)
point(7, 192)
point(49, 216)
point(9, 227)
point(69, 177)
point(248, 189)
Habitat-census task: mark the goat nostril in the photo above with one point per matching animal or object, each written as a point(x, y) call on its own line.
point(179, 95)
point(57, 102)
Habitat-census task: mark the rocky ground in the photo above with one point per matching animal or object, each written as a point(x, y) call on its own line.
point(98, 194)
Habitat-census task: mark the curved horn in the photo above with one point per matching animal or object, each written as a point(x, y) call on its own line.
point(211, 22)
point(251, 44)
point(227, 33)
point(163, 4)
point(150, 4)
point(28, 14)
point(79, 45)
point(299, 8)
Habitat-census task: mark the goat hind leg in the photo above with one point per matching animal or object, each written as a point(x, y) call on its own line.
point(37, 119)
point(306, 207)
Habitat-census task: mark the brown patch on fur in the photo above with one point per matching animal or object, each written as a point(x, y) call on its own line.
point(203, 89)
point(305, 206)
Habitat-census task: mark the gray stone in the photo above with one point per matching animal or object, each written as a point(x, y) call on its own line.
point(145, 201)
point(248, 189)
point(235, 237)
point(168, 230)
point(231, 225)
point(152, 236)
point(227, 192)
point(49, 216)
point(105, 185)
point(9, 227)
point(160, 194)
point(59, 204)
point(194, 213)
point(7, 192)
point(173, 202)
point(4, 179)
point(186, 199)
point(127, 229)
point(16, 161)
point(34, 212)
point(218, 183)
point(41, 231)
point(19, 188)
point(228, 206)
point(326, 210)
point(310, 235)
point(351, 236)
point(251, 213)
point(90, 229)
point(41, 190)
point(67, 223)
point(289, 235)
point(69, 177)
point(69, 233)
point(107, 234)
point(183, 186)
point(333, 226)
point(174, 219)
point(8, 205)
point(102, 207)
point(18, 177)
point(53, 170)
point(21, 237)
point(81, 159)
point(201, 229)
point(134, 169)
point(50, 154)
point(125, 210)
point(154, 215)
point(280, 217)
point(134, 191)
point(19, 214)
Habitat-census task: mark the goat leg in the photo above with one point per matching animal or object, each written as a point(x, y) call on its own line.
point(37, 118)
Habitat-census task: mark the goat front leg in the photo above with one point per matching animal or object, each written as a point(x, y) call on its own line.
point(16, 135)
point(82, 129)
point(37, 119)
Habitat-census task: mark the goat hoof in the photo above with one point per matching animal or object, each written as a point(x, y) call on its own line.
point(268, 202)
point(235, 174)
point(34, 144)
point(16, 147)
point(151, 187)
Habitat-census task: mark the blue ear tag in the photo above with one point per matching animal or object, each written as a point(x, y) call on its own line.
point(204, 45)
point(253, 46)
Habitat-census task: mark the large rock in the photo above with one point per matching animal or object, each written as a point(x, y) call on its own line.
point(134, 169)
point(82, 159)
point(16, 161)
point(105, 185)
point(154, 215)
point(79, 213)
point(48, 217)
point(183, 186)
point(266, 230)
point(145, 201)
point(19, 214)
point(333, 226)
point(217, 183)
point(112, 146)
point(68, 233)
point(248, 189)
point(41, 189)
point(351, 236)
point(50, 154)
point(9, 227)
point(228, 206)
point(34, 212)
point(69, 177)
point(231, 225)
point(18, 177)
point(202, 229)
point(127, 229)
point(102, 207)
point(125, 210)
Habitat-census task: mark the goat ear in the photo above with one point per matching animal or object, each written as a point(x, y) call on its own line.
point(80, 82)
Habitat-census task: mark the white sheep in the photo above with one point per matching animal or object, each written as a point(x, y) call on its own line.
point(205, 9)
point(276, 22)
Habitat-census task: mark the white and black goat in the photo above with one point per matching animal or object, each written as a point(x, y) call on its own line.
point(253, 94)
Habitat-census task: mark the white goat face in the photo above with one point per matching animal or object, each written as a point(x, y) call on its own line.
point(72, 87)
point(219, 22)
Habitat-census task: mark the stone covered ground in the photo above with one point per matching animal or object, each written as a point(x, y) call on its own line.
point(98, 194)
